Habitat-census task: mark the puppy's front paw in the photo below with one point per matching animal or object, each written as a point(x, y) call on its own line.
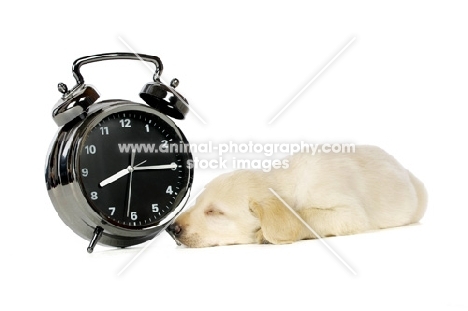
point(276, 241)
point(260, 238)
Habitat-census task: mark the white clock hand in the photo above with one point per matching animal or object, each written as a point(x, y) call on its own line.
point(156, 167)
point(132, 161)
point(118, 175)
point(114, 177)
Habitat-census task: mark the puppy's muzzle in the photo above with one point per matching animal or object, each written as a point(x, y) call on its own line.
point(174, 231)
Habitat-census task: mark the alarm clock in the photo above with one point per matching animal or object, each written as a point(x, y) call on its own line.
point(118, 172)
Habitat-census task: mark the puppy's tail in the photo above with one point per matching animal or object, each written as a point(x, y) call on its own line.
point(422, 197)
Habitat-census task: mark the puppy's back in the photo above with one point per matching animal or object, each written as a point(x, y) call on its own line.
point(368, 179)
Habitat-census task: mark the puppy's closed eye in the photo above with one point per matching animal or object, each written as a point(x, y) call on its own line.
point(213, 211)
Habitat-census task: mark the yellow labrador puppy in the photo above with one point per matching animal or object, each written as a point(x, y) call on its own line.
point(335, 194)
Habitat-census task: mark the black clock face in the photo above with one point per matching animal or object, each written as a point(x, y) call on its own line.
point(133, 169)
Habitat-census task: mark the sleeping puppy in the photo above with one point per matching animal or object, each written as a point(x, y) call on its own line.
point(335, 194)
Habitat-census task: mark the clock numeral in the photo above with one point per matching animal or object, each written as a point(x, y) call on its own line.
point(155, 208)
point(84, 172)
point(112, 210)
point(94, 195)
point(133, 215)
point(147, 128)
point(104, 130)
point(169, 190)
point(91, 149)
point(125, 123)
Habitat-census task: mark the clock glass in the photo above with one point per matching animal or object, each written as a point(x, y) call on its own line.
point(134, 168)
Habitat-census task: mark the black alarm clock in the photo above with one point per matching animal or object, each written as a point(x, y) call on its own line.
point(118, 172)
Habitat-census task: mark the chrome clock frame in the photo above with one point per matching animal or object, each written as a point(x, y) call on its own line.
point(65, 189)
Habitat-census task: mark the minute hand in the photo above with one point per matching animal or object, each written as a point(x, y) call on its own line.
point(156, 167)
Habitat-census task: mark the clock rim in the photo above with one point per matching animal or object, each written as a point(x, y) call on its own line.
point(64, 181)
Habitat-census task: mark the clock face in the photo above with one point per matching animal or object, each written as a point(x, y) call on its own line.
point(133, 170)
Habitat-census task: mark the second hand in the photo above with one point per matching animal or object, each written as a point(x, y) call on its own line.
point(131, 169)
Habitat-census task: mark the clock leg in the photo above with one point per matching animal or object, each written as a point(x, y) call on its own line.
point(96, 236)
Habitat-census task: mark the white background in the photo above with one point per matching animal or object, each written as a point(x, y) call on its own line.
point(402, 85)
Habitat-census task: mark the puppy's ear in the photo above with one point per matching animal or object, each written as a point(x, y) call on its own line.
point(277, 224)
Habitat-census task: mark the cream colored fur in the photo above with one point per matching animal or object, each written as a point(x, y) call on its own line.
point(336, 194)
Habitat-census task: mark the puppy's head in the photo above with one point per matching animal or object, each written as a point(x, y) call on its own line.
point(221, 214)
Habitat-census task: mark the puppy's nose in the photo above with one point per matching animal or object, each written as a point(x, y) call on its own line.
point(175, 229)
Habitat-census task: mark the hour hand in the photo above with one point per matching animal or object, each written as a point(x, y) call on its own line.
point(119, 174)
point(116, 176)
